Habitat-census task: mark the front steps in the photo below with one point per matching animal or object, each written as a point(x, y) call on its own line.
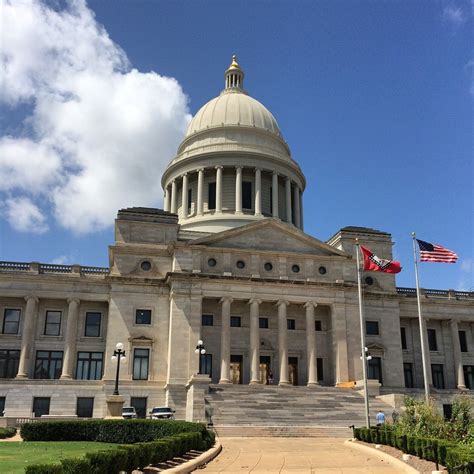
point(238, 431)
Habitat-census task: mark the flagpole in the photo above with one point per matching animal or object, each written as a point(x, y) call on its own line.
point(420, 318)
point(362, 338)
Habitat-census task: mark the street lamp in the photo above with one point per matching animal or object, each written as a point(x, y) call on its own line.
point(201, 351)
point(119, 353)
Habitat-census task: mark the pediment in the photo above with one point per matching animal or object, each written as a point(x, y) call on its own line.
point(271, 235)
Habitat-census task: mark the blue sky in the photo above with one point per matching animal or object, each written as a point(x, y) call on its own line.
point(374, 99)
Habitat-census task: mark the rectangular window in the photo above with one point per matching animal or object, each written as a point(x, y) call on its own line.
point(271, 200)
point(438, 376)
point(85, 407)
point(141, 359)
point(9, 360)
point(143, 316)
point(408, 373)
point(48, 364)
point(190, 199)
point(372, 328)
point(235, 322)
point(432, 342)
point(211, 197)
point(469, 376)
point(89, 365)
point(139, 403)
point(291, 324)
point(246, 195)
point(207, 320)
point(93, 321)
point(2, 406)
point(52, 323)
point(403, 336)
point(41, 406)
point(319, 369)
point(463, 341)
point(11, 321)
point(318, 325)
point(374, 367)
point(263, 323)
point(205, 364)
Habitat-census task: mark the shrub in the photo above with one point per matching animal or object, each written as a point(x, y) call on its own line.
point(7, 432)
point(460, 456)
point(44, 469)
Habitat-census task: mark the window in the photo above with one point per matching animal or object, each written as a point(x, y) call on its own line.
point(369, 281)
point(2, 406)
point(52, 323)
point(246, 195)
point(438, 376)
point(139, 403)
point(432, 343)
point(408, 373)
point(207, 320)
point(322, 270)
point(93, 324)
point(375, 369)
point(235, 322)
point(319, 369)
point(11, 321)
point(372, 328)
point(469, 376)
point(211, 197)
point(190, 201)
point(291, 324)
point(205, 364)
point(212, 262)
point(140, 364)
point(48, 364)
point(403, 336)
point(240, 264)
point(41, 406)
point(143, 316)
point(463, 341)
point(263, 323)
point(9, 363)
point(295, 268)
point(145, 265)
point(447, 411)
point(268, 267)
point(271, 200)
point(318, 325)
point(89, 365)
point(85, 407)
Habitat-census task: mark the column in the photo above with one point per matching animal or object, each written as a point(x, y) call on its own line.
point(70, 338)
point(339, 341)
point(288, 200)
point(296, 200)
point(275, 195)
point(167, 200)
point(219, 189)
point(458, 368)
point(173, 197)
point(184, 200)
point(283, 342)
point(225, 340)
point(27, 337)
point(311, 344)
point(238, 190)
point(254, 341)
point(200, 191)
point(301, 211)
point(258, 192)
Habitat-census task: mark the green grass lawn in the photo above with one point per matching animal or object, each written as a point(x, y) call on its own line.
point(15, 456)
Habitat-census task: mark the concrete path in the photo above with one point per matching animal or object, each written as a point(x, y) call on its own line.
point(299, 455)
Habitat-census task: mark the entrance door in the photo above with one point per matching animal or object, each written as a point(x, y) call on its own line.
point(293, 370)
point(265, 370)
point(236, 369)
point(375, 369)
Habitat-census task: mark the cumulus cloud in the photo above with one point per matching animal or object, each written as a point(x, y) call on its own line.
point(23, 215)
point(454, 15)
point(466, 281)
point(98, 133)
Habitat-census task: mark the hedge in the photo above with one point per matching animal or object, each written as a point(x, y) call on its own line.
point(7, 432)
point(128, 457)
point(108, 431)
point(446, 453)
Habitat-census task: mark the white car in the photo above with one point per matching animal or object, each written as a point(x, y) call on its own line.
point(162, 413)
point(129, 412)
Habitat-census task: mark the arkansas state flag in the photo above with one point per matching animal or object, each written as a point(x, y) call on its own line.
point(372, 263)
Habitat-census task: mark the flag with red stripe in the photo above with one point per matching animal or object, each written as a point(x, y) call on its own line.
point(435, 253)
point(372, 263)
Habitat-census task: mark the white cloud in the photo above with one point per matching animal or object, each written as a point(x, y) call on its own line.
point(23, 215)
point(454, 15)
point(101, 133)
point(61, 260)
point(466, 281)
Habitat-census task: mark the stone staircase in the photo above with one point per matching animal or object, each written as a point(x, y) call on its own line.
point(268, 410)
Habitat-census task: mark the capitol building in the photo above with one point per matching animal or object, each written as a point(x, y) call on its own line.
point(227, 261)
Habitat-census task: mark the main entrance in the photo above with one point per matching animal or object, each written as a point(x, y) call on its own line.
point(266, 376)
point(293, 370)
point(236, 369)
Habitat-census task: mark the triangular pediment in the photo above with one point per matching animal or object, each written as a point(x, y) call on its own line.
point(271, 235)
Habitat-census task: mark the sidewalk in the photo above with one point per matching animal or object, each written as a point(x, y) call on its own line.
point(295, 455)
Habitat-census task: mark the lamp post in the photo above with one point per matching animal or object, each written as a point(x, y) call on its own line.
point(367, 357)
point(119, 353)
point(200, 349)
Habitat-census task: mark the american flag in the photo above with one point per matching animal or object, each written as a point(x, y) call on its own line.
point(435, 253)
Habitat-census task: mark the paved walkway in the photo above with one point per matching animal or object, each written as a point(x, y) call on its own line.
point(303, 455)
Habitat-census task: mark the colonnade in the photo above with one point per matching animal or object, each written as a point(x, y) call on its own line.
point(293, 195)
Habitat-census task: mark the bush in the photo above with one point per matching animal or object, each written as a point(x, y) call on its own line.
point(460, 456)
point(44, 469)
point(7, 432)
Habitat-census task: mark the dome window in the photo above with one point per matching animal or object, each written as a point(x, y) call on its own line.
point(322, 270)
point(240, 264)
point(145, 265)
point(295, 268)
point(268, 267)
point(212, 262)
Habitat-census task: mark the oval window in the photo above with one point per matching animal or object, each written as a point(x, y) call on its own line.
point(240, 264)
point(212, 262)
point(322, 270)
point(268, 267)
point(295, 268)
point(145, 265)
point(369, 280)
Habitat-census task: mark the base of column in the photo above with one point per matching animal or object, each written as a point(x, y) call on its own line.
point(285, 383)
point(21, 376)
point(462, 387)
point(225, 381)
point(239, 213)
point(313, 384)
point(259, 214)
point(255, 382)
point(65, 377)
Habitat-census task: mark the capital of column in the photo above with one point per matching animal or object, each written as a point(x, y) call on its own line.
point(238, 167)
point(282, 302)
point(275, 173)
point(453, 322)
point(310, 304)
point(184, 174)
point(31, 297)
point(219, 167)
point(255, 300)
point(226, 299)
point(200, 170)
point(73, 301)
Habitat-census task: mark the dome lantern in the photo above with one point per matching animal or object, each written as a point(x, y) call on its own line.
point(234, 76)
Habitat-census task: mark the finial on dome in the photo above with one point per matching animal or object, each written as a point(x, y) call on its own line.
point(234, 76)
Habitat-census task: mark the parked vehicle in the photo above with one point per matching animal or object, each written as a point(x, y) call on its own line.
point(129, 412)
point(162, 413)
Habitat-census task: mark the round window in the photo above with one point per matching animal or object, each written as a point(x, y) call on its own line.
point(212, 262)
point(145, 265)
point(322, 270)
point(369, 280)
point(268, 267)
point(240, 264)
point(295, 268)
